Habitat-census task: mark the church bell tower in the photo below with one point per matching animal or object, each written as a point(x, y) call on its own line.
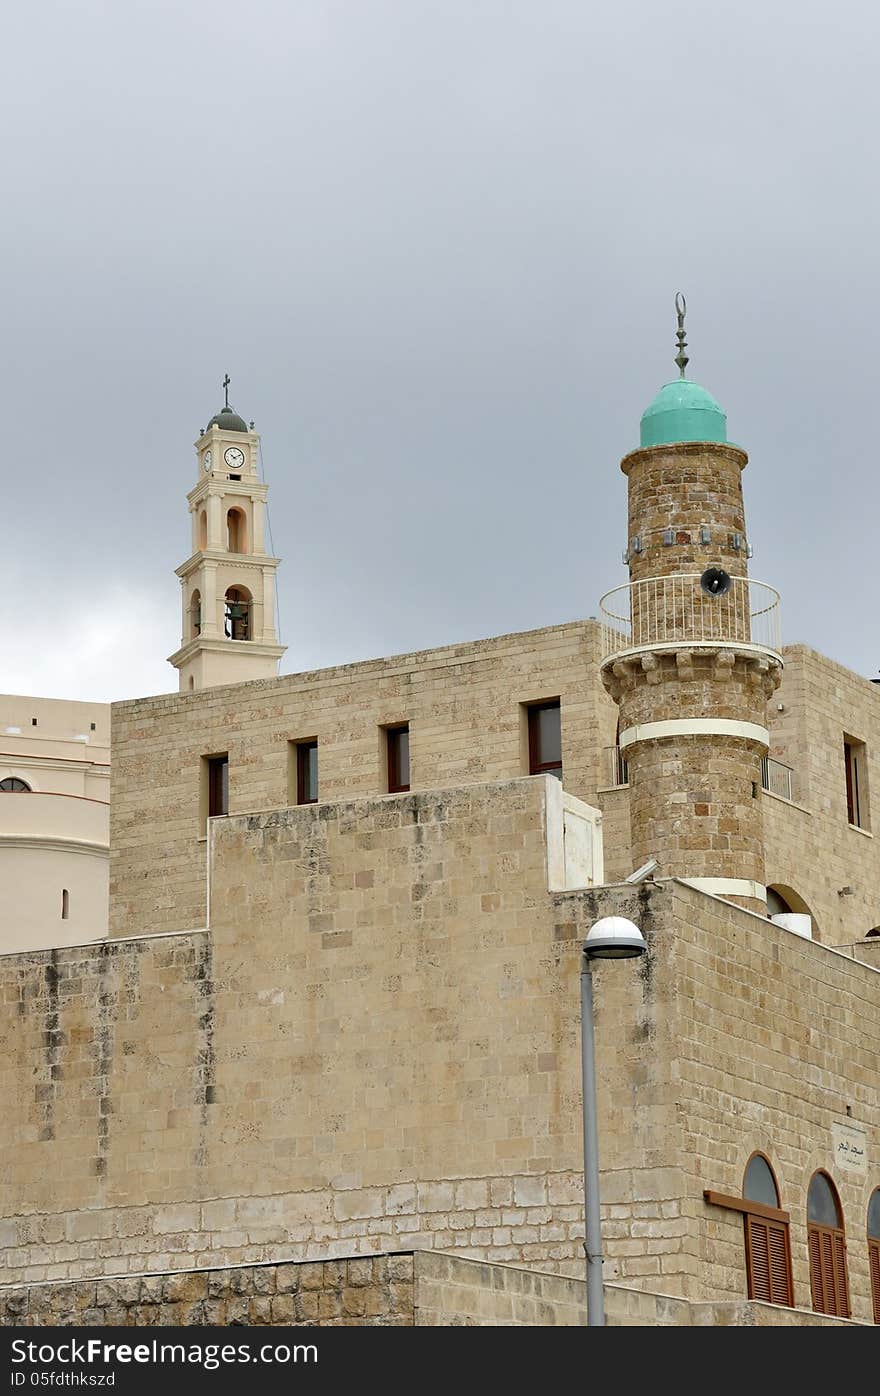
point(228, 582)
point(691, 650)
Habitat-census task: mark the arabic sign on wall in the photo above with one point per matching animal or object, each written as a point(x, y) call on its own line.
point(850, 1148)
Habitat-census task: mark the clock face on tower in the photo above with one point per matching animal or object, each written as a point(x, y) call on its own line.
point(206, 461)
point(234, 457)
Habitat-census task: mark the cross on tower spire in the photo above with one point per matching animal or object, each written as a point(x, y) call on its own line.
point(226, 381)
point(681, 357)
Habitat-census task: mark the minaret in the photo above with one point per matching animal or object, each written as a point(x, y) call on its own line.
point(228, 584)
point(691, 650)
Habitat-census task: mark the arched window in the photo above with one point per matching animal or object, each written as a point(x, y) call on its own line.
point(783, 901)
point(65, 904)
point(768, 1249)
point(236, 531)
point(195, 614)
point(203, 529)
point(827, 1244)
point(13, 784)
point(874, 1250)
point(238, 614)
point(776, 903)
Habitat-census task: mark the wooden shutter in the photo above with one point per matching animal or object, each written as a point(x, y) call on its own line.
point(828, 1280)
point(781, 1289)
point(815, 1247)
point(841, 1288)
point(757, 1258)
point(768, 1263)
point(874, 1263)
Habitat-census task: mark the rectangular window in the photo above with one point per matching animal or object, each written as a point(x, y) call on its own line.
point(545, 738)
point(304, 772)
point(856, 767)
point(214, 791)
point(397, 740)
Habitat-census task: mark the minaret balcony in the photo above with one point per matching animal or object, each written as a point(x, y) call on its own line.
point(660, 613)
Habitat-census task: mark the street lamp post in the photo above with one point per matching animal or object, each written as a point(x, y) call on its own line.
point(611, 938)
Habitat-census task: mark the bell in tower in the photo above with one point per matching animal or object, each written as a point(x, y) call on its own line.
point(228, 582)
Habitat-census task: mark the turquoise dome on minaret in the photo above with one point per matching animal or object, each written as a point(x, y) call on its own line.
point(683, 411)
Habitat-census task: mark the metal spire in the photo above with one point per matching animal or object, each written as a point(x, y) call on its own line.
point(227, 380)
point(681, 357)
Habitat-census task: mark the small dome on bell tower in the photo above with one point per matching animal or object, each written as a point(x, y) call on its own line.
point(227, 420)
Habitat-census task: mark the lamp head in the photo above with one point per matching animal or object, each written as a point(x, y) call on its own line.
point(614, 938)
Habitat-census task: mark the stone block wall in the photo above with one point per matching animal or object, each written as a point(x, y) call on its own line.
point(775, 1048)
point(375, 1046)
point(464, 705)
point(810, 847)
point(421, 1289)
point(352, 1292)
point(683, 487)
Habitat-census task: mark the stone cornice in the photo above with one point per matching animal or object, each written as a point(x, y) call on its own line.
point(255, 561)
point(56, 843)
point(724, 449)
point(244, 488)
point(622, 672)
point(202, 644)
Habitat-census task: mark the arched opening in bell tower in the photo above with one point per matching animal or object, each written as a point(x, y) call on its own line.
point(238, 604)
point(203, 529)
point(195, 614)
point(236, 531)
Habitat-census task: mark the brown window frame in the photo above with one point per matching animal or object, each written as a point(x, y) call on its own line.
point(855, 760)
point(218, 785)
point(874, 1260)
point(537, 767)
point(874, 1267)
point(393, 761)
point(826, 1245)
point(303, 772)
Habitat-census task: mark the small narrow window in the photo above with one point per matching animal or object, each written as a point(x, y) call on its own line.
point(855, 763)
point(874, 1250)
point(827, 1247)
point(218, 785)
point(195, 614)
point(545, 739)
point(33, 722)
point(92, 726)
point(397, 739)
point(305, 762)
point(65, 903)
point(236, 528)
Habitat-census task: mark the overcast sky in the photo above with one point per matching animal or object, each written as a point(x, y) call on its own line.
point(435, 243)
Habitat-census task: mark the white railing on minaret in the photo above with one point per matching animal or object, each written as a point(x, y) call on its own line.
point(660, 611)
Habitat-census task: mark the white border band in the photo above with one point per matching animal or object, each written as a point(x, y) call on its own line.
point(694, 727)
point(728, 887)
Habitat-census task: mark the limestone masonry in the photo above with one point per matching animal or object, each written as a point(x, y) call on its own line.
point(326, 1066)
